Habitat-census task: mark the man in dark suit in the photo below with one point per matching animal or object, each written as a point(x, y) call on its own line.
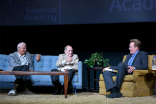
point(136, 60)
point(21, 61)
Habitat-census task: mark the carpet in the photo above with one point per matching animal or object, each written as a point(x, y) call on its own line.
point(79, 98)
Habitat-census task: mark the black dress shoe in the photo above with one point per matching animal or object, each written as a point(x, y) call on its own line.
point(61, 91)
point(56, 92)
point(27, 92)
point(114, 95)
point(110, 96)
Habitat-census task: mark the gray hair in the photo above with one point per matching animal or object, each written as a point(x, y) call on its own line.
point(20, 44)
point(66, 47)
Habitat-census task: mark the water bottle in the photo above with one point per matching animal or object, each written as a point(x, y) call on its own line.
point(154, 63)
point(75, 91)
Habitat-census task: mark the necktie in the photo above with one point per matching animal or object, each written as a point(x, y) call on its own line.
point(130, 60)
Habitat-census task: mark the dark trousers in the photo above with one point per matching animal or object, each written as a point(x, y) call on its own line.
point(22, 79)
point(55, 79)
point(107, 75)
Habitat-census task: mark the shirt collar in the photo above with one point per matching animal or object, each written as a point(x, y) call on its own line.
point(20, 55)
point(135, 53)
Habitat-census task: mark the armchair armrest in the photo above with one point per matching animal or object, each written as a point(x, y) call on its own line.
point(142, 72)
point(144, 82)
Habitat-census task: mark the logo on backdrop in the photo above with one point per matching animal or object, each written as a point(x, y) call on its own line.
point(136, 5)
point(42, 13)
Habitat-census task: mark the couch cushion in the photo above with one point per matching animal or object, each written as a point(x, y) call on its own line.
point(54, 60)
point(4, 65)
point(3, 62)
point(44, 64)
point(7, 78)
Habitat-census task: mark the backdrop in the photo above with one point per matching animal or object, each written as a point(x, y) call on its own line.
point(54, 12)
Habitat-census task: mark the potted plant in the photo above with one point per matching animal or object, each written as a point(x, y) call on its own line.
point(97, 60)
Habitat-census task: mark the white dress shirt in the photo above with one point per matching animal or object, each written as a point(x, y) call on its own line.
point(23, 60)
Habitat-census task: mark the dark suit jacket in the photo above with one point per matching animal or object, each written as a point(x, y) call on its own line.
point(140, 61)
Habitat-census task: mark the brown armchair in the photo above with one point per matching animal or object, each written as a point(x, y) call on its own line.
point(141, 83)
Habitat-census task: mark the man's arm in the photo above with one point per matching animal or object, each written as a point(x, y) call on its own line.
point(144, 62)
point(12, 61)
point(114, 67)
point(60, 61)
point(74, 62)
point(38, 56)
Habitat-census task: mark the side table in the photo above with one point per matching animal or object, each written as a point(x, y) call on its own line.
point(88, 72)
point(154, 79)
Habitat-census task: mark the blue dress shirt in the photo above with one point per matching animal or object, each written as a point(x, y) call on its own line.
point(132, 58)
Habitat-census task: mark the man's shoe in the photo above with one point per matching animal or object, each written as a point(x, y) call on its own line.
point(110, 96)
point(61, 91)
point(12, 93)
point(114, 95)
point(27, 92)
point(117, 95)
point(56, 92)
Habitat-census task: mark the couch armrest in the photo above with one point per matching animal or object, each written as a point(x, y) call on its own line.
point(80, 74)
point(141, 72)
point(145, 82)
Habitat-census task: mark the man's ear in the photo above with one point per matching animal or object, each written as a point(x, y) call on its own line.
point(137, 48)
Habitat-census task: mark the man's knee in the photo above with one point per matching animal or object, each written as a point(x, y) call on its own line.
point(54, 70)
point(54, 78)
point(72, 71)
point(122, 65)
point(106, 73)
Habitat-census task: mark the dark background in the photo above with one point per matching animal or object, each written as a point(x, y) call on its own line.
point(110, 39)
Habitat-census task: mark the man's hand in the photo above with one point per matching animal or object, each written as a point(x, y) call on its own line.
point(69, 59)
point(104, 69)
point(131, 69)
point(65, 70)
point(30, 70)
point(38, 58)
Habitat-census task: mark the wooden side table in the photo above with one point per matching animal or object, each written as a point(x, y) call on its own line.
point(154, 79)
point(88, 72)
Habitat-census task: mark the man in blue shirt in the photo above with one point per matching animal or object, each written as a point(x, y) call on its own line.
point(136, 60)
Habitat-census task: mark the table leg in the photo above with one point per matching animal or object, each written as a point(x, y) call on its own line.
point(65, 85)
point(88, 72)
point(94, 78)
point(155, 83)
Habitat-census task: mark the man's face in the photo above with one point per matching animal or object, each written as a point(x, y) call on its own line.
point(132, 48)
point(69, 51)
point(22, 49)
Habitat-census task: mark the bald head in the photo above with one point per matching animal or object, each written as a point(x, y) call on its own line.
point(21, 47)
point(68, 50)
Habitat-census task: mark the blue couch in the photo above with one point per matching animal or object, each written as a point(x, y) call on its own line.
point(46, 63)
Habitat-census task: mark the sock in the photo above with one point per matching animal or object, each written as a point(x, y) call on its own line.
point(115, 89)
point(15, 87)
